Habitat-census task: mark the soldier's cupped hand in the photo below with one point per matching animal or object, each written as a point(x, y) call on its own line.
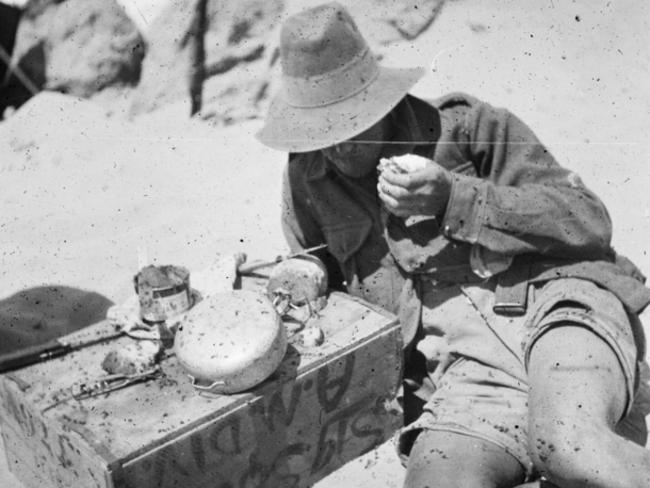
point(422, 191)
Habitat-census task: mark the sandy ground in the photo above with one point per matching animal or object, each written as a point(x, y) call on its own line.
point(81, 192)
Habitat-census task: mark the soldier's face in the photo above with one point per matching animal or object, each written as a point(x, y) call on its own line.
point(360, 155)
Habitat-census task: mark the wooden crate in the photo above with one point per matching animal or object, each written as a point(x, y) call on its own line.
point(323, 407)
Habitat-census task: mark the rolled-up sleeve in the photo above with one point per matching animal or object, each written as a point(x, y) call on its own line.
point(522, 200)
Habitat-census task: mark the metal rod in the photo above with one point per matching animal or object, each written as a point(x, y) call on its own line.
point(245, 268)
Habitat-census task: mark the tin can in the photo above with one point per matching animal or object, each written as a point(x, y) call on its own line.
point(163, 292)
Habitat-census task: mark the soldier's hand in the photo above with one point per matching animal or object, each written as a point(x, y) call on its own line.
point(422, 192)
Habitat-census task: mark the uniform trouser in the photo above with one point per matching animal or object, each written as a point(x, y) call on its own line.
point(475, 361)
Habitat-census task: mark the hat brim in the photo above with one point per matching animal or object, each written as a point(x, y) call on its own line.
point(298, 129)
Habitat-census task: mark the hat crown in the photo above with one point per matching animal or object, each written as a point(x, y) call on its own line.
point(319, 41)
point(331, 86)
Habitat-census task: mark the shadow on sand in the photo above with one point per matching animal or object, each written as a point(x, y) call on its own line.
point(39, 314)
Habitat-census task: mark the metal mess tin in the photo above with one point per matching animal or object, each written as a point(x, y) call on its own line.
point(230, 342)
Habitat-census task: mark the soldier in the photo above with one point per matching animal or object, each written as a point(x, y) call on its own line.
point(522, 340)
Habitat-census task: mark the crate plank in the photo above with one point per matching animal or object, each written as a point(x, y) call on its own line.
point(48, 453)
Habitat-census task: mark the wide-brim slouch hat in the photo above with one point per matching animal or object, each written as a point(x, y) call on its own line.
point(332, 87)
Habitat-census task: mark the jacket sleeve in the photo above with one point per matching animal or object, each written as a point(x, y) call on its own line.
point(522, 201)
point(302, 231)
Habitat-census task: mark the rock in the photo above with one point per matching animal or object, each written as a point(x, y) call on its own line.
point(167, 70)
point(212, 53)
point(407, 18)
point(78, 46)
point(240, 54)
point(132, 358)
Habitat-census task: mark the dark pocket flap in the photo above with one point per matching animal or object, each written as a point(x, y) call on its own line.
point(344, 240)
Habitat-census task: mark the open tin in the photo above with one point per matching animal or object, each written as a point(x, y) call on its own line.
point(163, 292)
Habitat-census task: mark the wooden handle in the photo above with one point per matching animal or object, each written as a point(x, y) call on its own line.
point(247, 268)
point(32, 355)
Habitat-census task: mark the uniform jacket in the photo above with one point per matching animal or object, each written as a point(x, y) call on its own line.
point(508, 196)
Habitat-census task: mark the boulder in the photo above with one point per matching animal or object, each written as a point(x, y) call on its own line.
point(240, 54)
point(170, 65)
point(78, 46)
point(210, 52)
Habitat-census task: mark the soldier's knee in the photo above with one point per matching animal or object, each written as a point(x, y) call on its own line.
point(565, 454)
point(451, 480)
point(441, 459)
